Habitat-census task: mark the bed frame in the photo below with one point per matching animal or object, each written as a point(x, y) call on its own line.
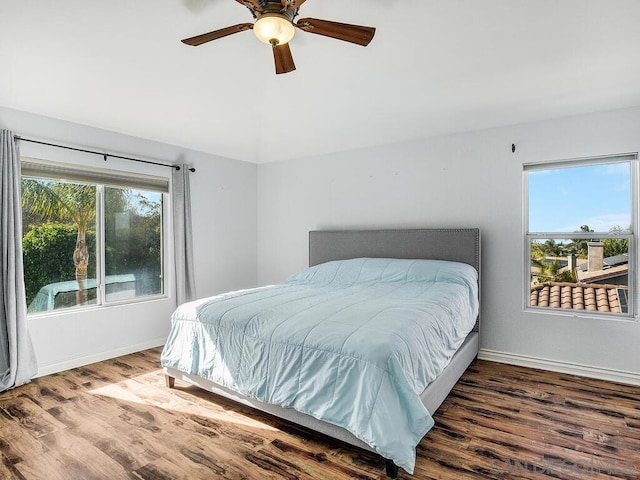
point(460, 245)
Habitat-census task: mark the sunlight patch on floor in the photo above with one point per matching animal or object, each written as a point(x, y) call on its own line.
point(149, 389)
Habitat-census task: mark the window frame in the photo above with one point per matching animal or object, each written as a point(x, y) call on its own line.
point(528, 237)
point(101, 178)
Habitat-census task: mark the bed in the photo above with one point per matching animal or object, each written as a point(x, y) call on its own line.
point(362, 290)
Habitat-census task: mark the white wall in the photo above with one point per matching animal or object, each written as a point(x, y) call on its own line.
point(224, 224)
point(464, 180)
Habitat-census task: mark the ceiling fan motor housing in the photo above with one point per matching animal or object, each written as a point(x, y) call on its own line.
point(259, 8)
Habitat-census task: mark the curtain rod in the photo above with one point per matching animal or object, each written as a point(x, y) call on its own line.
point(104, 155)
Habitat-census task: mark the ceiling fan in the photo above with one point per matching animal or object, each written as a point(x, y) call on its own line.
point(274, 25)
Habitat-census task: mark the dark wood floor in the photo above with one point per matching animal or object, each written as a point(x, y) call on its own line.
point(116, 420)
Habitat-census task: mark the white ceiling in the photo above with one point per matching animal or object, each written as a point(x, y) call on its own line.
point(434, 67)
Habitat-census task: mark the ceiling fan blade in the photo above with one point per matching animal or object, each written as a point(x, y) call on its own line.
point(250, 4)
point(223, 32)
point(283, 58)
point(341, 31)
point(291, 4)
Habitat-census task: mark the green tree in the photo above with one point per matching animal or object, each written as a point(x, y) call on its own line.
point(48, 255)
point(544, 270)
point(71, 203)
point(133, 237)
point(578, 246)
point(616, 246)
point(552, 248)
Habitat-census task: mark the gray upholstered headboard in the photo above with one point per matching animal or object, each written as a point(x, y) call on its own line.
point(452, 244)
point(457, 245)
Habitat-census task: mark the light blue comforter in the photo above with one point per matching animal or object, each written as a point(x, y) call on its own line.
point(352, 342)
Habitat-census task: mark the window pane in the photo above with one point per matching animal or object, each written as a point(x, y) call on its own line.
point(580, 229)
point(580, 274)
point(59, 243)
point(133, 248)
point(567, 199)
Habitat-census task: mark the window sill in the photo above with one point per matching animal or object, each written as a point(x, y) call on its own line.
point(582, 315)
point(94, 308)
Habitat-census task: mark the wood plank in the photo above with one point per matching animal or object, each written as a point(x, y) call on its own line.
point(29, 416)
point(8, 470)
point(68, 456)
point(316, 463)
point(118, 441)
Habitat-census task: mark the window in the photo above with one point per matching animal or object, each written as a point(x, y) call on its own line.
point(90, 237)
point(580, 224)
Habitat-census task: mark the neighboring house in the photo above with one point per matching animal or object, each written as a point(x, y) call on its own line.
point(602, 284)
point(613, 270)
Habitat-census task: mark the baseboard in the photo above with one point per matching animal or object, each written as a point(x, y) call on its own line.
point(88, 359)
point(619, 376)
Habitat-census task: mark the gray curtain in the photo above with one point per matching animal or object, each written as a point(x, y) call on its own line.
point(182, 235)
point(17, 359)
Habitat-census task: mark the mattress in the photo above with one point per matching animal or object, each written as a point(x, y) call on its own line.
point(352, 343)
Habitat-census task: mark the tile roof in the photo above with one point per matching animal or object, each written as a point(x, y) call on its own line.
point(576, 296)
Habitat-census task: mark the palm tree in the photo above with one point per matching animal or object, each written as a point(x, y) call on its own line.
point(543, 270)
point(579, 246)
point(67, 202)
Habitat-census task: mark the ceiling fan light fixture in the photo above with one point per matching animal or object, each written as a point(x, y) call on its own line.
point(274, 29)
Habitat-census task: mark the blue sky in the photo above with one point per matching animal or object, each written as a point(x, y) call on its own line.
point(563, 199)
